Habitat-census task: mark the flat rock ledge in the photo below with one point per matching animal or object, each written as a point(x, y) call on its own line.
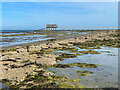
point(46, 60)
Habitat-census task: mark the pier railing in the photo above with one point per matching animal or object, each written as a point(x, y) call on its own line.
point(82, 28)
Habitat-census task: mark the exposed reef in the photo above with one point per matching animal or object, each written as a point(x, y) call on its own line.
point(23, 67)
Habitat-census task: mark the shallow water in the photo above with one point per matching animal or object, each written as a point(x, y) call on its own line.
point(14, 40)
point(13, 33)
point(3, 86)
point(106, 75)
point(21, 39)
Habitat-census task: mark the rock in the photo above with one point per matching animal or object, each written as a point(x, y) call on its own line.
point(48, 74)
point(34, 48)
point(16, 74)
point(47, 59)
point(53, 45)
point(38, 69)
point(58, 60)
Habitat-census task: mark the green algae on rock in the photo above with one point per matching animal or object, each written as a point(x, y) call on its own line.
point(90, 46)
point(63, 44)
point(73, 50)
point(13, 49)
point(89, 52)
point(40, 52)
point(83, 73)
point(107, 43)
point(96, 43)
point(40, 81)
point(26, 61)
point(70, 49)
point(75, 80)
point(59, 58)
point(65, 55)
point(61, 65)
point(85, 47)
point(73, 86)
point(5, 50)
point(82, 65)
point(115, 35)
point(58, 53)
point(83, 44)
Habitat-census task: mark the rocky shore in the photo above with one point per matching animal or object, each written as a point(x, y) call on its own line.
point(23, 67)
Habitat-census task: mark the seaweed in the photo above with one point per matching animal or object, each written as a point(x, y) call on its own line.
point(83, 73)
point(82, 65)
point(61, 66)
point(13, 49)
point(40, 52)
point(75, 80)
point(69, 49)
point(40, 81)
point(89, 52)
point(96, 43)
point(59, 58)
point(3, 50)
point(65, 55)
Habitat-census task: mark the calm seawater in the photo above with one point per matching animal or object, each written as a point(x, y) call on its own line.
point(14, 40)
point(15, 30)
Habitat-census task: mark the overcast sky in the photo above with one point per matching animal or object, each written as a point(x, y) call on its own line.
point(34, 15)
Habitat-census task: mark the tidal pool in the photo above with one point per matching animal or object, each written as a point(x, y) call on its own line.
point(105, 75)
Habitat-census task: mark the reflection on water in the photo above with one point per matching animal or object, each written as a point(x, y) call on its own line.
point(106, 75)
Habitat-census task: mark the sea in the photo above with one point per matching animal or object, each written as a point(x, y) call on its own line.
point(8, 39)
